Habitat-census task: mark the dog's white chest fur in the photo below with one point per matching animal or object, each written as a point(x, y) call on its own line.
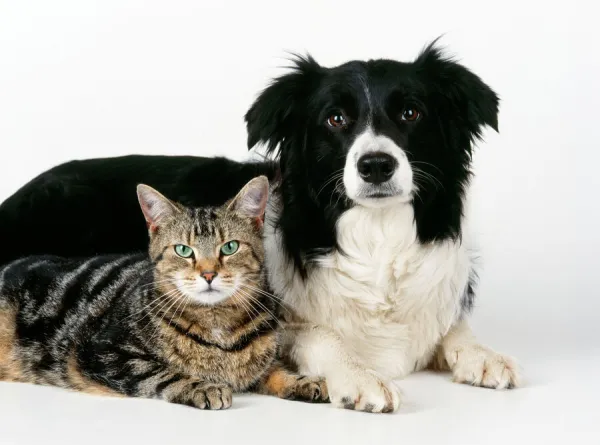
point(387, 296)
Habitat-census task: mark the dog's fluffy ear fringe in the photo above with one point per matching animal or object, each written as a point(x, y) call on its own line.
point(472, 98)
point(270, 119)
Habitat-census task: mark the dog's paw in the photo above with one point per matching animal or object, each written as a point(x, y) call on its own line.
point(363, 391)
point(480, 366)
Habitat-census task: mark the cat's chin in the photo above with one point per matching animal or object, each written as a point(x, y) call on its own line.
point(208, 297)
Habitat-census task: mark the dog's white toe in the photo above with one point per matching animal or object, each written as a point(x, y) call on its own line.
point(480, 366)
point(363, 391)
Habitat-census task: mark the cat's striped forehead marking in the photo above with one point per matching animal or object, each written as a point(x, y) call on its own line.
point(206, 229)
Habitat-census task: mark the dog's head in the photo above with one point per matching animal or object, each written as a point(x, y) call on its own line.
point(378, 133)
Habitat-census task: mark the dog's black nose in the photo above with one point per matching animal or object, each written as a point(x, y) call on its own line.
point(377, 167)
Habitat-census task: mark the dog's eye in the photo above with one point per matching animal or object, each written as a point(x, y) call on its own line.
point(410, 115)
point(337, 120)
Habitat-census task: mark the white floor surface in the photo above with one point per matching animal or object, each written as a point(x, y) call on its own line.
point(558, 404)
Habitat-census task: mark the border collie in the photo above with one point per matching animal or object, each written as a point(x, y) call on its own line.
point(365, 239)
point(364, 232)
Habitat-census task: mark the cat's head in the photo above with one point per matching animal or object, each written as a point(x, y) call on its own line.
point(207, 254)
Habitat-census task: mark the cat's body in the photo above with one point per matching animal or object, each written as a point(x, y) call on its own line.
point(125, 325)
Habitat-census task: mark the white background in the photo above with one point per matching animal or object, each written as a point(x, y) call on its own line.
point(82, 79)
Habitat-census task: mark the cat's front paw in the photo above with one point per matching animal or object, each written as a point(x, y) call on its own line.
point(212, 396)
point(309, 389)
point(362, 391)
point(480, 366)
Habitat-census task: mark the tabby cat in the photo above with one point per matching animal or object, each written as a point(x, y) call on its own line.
point(190, 323)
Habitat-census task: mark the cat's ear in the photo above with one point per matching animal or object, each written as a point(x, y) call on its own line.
point(155, 206)
point(251, 201)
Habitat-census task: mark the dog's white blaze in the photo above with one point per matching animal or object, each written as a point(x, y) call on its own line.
point(368, 97)
point(369, 142)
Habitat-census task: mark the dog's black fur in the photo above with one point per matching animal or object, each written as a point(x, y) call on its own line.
point(84, 208)
point(87, 207)
point(290, 115)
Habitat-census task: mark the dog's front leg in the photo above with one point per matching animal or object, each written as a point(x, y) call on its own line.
point(318, 351)
point(473, 363)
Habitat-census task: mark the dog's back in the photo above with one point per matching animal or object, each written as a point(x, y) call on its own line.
point(89, 207)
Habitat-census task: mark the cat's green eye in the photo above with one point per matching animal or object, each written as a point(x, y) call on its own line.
point(230, 248)
point(184, 251)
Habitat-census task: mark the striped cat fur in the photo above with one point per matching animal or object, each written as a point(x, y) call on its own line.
point(189, 325)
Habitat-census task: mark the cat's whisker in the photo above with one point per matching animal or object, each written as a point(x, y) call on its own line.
point(253, 311)
point(244, 301)
point(154, 303)
point(185, 299)
point(243, 304)
point(147, 309)
point(185, 305)
point(158, 310)
point(157, 331)
point(253, 299)
point(262, 291)
point(270, 296)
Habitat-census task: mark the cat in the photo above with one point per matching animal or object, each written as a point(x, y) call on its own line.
point(189, 323)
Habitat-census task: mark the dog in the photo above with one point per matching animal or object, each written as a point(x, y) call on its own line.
point(365, 241)
point(364, 231)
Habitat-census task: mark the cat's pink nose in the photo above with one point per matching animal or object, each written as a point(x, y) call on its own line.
point(209, 276)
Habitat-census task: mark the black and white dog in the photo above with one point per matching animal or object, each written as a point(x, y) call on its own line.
point(364, 232)
point(366, 244)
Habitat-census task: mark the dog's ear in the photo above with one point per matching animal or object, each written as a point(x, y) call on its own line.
point(474, 103)
point(275, 113)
